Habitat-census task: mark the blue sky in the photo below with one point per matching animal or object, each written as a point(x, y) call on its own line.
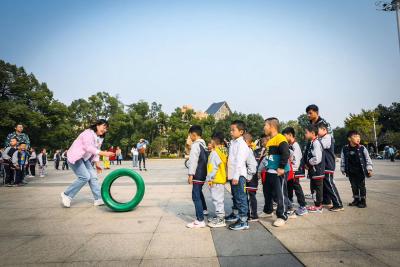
point(267, 57)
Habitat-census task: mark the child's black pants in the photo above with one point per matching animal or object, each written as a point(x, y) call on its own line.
point(294, 185)
point(358, 186)
point(317, 185)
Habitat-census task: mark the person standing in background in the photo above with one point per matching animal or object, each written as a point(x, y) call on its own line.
point(135, 156)
point(118, 154)
point(64, 159)
point(112, 158)
point(141, 147)
point(42, 160)
point(19, 135)
point(57, 159)
point(32, 163)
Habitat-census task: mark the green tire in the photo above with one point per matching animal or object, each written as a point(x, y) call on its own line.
point(106, 190)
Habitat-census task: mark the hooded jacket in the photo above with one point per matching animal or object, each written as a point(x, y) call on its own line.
point(198, 161)
point(216, 167)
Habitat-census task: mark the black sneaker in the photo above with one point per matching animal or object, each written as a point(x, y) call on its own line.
point(239, 225)
point(140, 169)
point(362, 204)
point(354, 203)
point(232, 217)
point(336, 209)
point(145, 170)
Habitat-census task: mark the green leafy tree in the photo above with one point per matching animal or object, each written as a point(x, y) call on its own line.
point(364, 124)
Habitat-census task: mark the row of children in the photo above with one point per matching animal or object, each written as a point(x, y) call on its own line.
point(17, 162)
point(279, 163)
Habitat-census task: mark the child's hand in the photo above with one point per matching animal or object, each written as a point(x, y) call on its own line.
point(210, 184)
point(369, 173)
point(235, 182)
point(190, 179)
point(280, 172)
point(98, 168)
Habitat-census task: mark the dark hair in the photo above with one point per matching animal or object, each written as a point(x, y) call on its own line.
point(240, 125)
point(289, 130)
point(323, 126)
point(351, 133)
point(218, 137)
point(196, 129)
point(18, 124)
point(312, 107)
point(22, 143)
point(97, 123)
point(13, 138)
point(312, 129)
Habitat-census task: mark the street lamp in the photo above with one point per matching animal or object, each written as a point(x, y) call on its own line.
point(376, 140)
point(392, 6)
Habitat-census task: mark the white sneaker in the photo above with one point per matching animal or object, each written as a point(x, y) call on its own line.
point(217, 222)
point(98, 202)
point(41, 176)
point(196, 224)
point(265, 215)
point(65, 200)
point(279, 222)
point(205, 212)
point(291, 215)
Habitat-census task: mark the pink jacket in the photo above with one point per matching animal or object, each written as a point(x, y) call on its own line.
point(86, 147)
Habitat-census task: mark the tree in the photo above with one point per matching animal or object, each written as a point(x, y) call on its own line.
point(363, 123)
point(23, 99)
point(340, 134)
point(389, 117)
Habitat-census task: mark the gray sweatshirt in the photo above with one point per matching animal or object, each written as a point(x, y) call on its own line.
point(296, 155)
point(215, 160)
point(194, 155)
point(251, 165)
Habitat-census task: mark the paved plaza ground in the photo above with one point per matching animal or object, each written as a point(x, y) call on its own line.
point(35, 230)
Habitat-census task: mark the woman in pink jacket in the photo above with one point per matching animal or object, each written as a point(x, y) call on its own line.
point(83, 152)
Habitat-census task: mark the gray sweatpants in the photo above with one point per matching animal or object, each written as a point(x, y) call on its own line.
point(217, 196)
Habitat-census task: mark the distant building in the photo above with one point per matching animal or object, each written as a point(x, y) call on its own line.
point(219, 110)
point(197, 114)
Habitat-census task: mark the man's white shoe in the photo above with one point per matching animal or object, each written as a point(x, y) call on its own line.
point(265, 215)
point(65, 200)
point(196, 224)
point(279, 222)
point(98, 202)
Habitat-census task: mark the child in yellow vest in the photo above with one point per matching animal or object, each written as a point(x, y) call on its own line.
point(216, 178)
point(106, 162)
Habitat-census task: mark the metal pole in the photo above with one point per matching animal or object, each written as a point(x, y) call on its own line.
point(376, 140)
point(398, 19)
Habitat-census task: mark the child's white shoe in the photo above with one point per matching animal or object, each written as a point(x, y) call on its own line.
point(196, 224)
point(265, 215)
point(279, 222)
